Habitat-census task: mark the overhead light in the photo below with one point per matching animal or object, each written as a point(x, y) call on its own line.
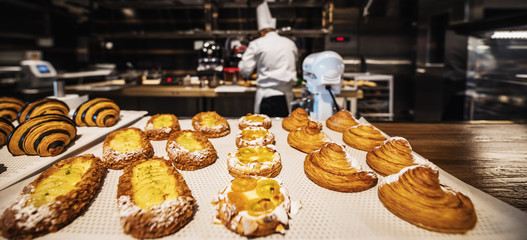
point(128, 12)
point(509, 35)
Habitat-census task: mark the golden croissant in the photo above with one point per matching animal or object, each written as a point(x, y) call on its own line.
point(308, 138)
point(392, 156)
point(297, 119)
point(331, 168)
point(416, 196)
point(363, 137)
point(341, 121)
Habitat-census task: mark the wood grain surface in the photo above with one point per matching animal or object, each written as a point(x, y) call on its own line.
point(489, 156)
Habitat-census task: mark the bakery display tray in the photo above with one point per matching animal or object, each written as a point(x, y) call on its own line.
point(19, 167)
point(325, 214)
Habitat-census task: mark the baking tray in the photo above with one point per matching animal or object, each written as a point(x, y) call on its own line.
point(19, 167)
point(325, 214)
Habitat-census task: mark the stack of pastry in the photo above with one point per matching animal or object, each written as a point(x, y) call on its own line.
point(160, 126)
point(297, 119)
point(415, 195)
point(308, 138)
point(124, 146)
point(392, 156)
point(255, 161)
point(332, 168)
point(190, 150)
point(254, 120)
point(254, 136)
point(211, 124)
point(341, 121)
point(363, 137)
point(254, 206)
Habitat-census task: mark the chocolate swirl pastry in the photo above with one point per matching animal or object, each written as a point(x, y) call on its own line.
point(10, 107)
point(416, 196)
point(45, 135)
point(54, 199)
point(297, 119)
point(98, 112)
point(41, 107)
point(341, 121)
point(392, 156)
point(363, 137)
point(153, 199)
point(308, 138)
point(6, 127)
point(331, 168)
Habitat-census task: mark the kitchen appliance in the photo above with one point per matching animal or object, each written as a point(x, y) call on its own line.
point(323, 75)
point(36, 74)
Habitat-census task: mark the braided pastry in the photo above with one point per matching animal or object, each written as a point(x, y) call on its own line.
point(330, 167)
point(10, 107)
point(392, 156)
point(363, 137)
point(41, 107)
point(416, 196)
point(308, 138)
point(98, 112)
point(341, 121)
point(297, 119)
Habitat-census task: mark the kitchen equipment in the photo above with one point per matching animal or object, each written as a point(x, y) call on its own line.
point(36, 74)
point(323, 74)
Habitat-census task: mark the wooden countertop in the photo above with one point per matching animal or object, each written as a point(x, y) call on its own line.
point(490, 156)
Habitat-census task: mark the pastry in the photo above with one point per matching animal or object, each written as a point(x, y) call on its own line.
point(6, 127)
point(54, 199)
point(153, 199)
point(211, 124)
point(254, 136)
point(254, 206)
point(332, 168)
point(255, 161)
point(416, 196)
point(98, 112)
point(160, 126)
point(124, 146)
point(297, 119)
point(308, 138)
point(45, 135)
point(10, 107)
point(363, 137)
point(341, 121)
point(41, 107)
point(190, 150)
point(392, 156)
point(254, 120)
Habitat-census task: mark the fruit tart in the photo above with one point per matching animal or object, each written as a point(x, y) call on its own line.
point(160, 126)
point(341, 121)
point(254, 136)
point(190, 150)
point(363, 137)
point(124, 146)
point(308, 138)
point(254, 120)
point(255, 161)
point(211, 124)
point(297, 119)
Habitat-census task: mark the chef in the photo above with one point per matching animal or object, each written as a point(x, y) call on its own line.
point(274, 58)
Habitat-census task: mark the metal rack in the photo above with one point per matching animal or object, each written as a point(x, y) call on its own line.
point(377, 102)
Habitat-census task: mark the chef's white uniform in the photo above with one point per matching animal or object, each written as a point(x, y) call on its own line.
point(274, 57)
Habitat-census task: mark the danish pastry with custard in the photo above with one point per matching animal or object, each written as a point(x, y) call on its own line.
point(341, 121)
point(332, 168)
point(124, 146)
point(211, 124)
point(190, 150)
point(416, 196)
point(153, 199)
point(392, 156)
point(160, 126)
point(255, 161)
point(254, 136)
point(254, 120)
point(363, 137)
point(297, 119)
point(308, 138)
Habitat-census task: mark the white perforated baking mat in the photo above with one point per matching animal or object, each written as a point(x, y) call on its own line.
point(325, 214)
point(18, 167)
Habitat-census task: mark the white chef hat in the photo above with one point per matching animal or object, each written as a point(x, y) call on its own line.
point(264, 18)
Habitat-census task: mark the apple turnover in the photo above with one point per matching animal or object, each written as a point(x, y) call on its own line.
point(153, 199)
point(254, 120)
point(255, 161)
point(332, 168)
point(308, 138)
point(363, 137)
point(160, 126)
point(124, 146)
point(392, 156)
point(341, 121)
point(416, 196)
point(297, 119)
point(211, 124)
point(255, 206)
point(190, 150)
point(254, 136)
point(54, 199)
